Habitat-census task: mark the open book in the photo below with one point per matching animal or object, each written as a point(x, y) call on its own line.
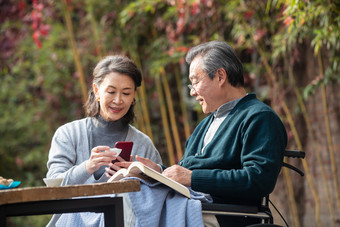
point(138, 169)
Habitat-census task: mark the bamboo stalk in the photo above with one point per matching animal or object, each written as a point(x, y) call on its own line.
point(166, 128)
point(140, 123)
point(94, 26)
point(304, 162)
point(173, 122)
point(69, 26)
point(296, 138)
point(291, 198)
point(142, 95)
point(273, 84)
point(271, 80)
point(306, 168)
point(312, 134)
point(145, 110)
point(288, 179)
point(328, 131)
point(182, 104)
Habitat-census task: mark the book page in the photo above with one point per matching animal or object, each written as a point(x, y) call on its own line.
point(138, 169)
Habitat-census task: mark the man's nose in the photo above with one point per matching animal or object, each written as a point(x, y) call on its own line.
point(193, 92)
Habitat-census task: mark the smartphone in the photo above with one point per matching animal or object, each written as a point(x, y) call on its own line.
point(126, 147)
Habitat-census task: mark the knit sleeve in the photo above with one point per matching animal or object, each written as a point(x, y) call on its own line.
point(62, 161)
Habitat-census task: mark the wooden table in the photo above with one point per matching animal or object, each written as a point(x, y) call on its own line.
point(63, 199)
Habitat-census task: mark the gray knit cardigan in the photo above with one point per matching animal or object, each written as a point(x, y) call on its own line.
point(70, 148)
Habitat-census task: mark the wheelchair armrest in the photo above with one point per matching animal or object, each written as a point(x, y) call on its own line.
point(294, 154)
point(229, 208)
point(293, 168)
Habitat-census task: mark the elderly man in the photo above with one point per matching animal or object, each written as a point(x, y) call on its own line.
point(235, 153)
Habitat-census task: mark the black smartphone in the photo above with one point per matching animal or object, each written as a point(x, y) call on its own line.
point(126, 147)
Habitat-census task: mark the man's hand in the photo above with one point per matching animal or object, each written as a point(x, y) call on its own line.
point(113, 168)
point(179, 174)
point(149, 163)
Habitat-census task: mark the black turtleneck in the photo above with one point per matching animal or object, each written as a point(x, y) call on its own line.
point(106, 133)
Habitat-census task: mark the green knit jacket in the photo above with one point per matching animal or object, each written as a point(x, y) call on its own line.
point(242, 162)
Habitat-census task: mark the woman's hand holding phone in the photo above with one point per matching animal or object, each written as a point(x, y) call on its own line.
point(126, 147)
point(115, 166)
point(124, 157)
point(100, 156)
point(145, 161)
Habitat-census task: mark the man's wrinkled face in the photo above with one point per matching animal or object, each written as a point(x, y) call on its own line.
point(204, 88)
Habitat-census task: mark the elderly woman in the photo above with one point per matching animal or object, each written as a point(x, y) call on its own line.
point(76, 152)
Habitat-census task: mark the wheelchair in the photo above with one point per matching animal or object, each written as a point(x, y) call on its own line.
point(261, 212)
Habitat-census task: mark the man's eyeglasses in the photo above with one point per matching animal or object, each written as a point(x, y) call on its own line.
point(191, 86)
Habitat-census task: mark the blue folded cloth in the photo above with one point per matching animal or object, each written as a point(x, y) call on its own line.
point(154, 205)
point(159, 205)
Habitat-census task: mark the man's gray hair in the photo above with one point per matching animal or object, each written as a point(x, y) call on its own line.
point(216, 55)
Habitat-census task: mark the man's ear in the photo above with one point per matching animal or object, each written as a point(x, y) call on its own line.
point(222, 76)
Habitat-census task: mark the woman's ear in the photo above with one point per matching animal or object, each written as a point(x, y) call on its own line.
point(95, 90)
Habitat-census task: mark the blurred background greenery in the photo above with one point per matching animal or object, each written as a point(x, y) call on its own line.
point(290, 50)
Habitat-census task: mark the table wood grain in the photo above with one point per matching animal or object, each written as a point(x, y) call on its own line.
point(30, 194)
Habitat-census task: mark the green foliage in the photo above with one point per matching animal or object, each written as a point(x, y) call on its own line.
point(319, 22)
point(315, 84)
point(40, 89)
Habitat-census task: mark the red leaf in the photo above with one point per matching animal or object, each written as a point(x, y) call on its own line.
point(36, 35)
point(248, 14)
point(21, 5)
point(35, 25)
point(181, 49)
point(36, 39)
point(44, 29)
point(288, 21)
point(171, 51)
point(194, 9)
point(19, 161)
point(38, 7)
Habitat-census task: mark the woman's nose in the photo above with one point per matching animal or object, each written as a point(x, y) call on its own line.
point(118, 99)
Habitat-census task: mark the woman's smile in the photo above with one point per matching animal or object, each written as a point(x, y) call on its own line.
point(115, 109)
point(116, 94)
